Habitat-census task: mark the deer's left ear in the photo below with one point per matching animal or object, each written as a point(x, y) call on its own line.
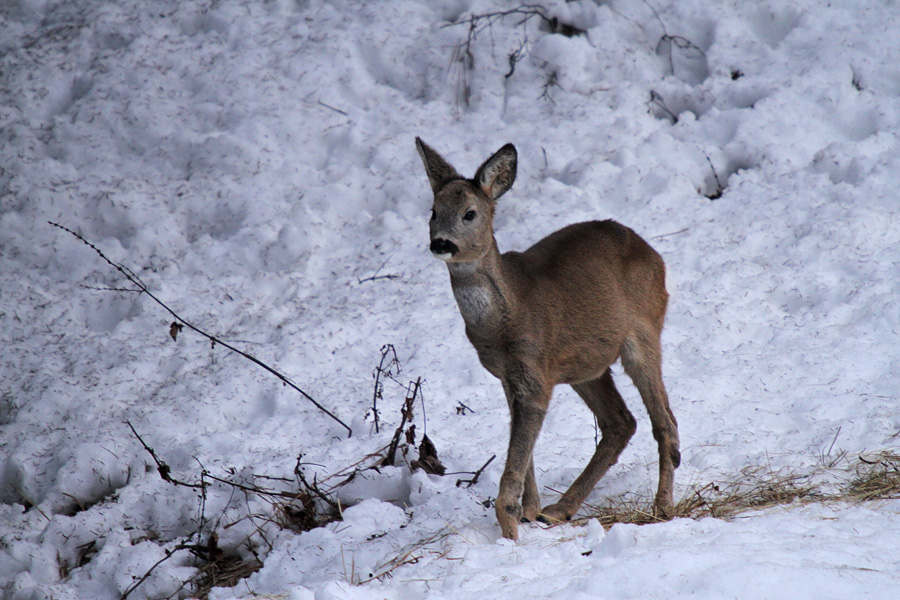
point(498, 173)
point(438, 170)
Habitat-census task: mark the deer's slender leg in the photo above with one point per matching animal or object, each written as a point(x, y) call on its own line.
point(642, 359)
point(617, 425)
point(528, 400)
point(531, 500)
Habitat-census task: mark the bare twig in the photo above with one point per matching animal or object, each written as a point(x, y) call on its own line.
point(657, 102)
point(386, 351)
point(515, 56)
point(377, 277)
point(836, 434)
point(164, 470)
point(715, 195)
point(552, 81)
point(406, 415)
point(663, 235)
point(462, 408)
point(135, 280)
point(350, 471)
point(337, 110)
point(112, 289)
point(416, 389)
point(408, 556)
point(470, 482)
point(139, 581)
point(313, 488)
point(28, 500)
point(463, 55)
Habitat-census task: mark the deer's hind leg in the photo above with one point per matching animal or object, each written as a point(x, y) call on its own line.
point(617, 425)
point(642, 359)
point(531, 501)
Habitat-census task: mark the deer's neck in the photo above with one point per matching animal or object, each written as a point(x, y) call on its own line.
point(482, 294)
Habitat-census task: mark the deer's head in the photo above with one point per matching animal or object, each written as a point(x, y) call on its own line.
point(463, 212)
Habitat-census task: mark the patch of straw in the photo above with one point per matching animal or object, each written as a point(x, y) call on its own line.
point(872, 477)
point(877, 477)
point(226, 571)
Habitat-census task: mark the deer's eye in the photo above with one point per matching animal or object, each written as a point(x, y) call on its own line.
point(469, 216)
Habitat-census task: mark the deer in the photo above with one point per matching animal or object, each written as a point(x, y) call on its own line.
point(561, 312)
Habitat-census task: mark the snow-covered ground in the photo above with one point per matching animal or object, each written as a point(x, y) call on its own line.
point(253, 163)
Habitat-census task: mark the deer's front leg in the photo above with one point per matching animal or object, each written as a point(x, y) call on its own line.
point(527, 404)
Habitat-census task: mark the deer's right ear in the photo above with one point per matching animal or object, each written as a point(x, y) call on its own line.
point(498, 173)
point(438, 170)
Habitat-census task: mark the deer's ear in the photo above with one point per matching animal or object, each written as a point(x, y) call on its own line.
point(438, 170)
point(498, 173)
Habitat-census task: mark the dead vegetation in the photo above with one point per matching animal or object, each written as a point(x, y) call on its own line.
point(870, 477)
point(300, 503)
point(877, 478)
point(463, 57)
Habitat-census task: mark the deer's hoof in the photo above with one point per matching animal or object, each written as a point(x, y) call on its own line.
point(556, 513)
point(663, 509)
point(508, 515)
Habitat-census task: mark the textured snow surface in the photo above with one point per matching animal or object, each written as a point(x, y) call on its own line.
point(253, 163)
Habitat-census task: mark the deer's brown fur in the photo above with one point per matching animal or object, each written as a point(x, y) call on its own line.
point(560, 312)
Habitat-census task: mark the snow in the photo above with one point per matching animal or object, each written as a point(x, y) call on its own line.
point(254, 164)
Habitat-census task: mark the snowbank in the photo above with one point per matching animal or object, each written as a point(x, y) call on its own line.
point(253, 164)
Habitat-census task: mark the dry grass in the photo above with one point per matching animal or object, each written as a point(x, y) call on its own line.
point(301, 514)
point(756, 488)
point(225, 571)
point(870, 477)
point(409, 555)
point(877, 478)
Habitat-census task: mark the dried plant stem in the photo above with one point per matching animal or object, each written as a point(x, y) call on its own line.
point(470, 482)
point(409, 556)
point(874, 477)
point(142, 288)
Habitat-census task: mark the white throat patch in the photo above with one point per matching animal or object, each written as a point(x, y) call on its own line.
point(474, 302)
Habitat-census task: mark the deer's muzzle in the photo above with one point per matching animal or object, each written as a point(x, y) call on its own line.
point(443, 249)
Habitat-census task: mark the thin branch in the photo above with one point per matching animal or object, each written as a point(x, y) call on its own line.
point(313, 488)
point(462, 408)
point(164, 470)
point(515, 56)
point(377, 277)
point(719, 189)
point(682, 43)
point(552, 81)
point(112, 289)
point(354, 468)
point(407, 556)
point(136, 584)
point(386, 351)
point(470, 482)
point(337, 110)
point(416, 388)
point(657, 101)
point(29, 500)
point(463, 55)
point(406, 415)
point(135, 280)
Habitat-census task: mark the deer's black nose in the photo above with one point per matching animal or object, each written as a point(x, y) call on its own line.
point(442, 246)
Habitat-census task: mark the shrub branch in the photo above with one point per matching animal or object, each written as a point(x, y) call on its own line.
point(142, 288)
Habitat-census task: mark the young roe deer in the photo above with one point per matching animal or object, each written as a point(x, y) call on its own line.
point(561, 312)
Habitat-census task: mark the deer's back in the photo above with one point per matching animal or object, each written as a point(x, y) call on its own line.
point(603, 253)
